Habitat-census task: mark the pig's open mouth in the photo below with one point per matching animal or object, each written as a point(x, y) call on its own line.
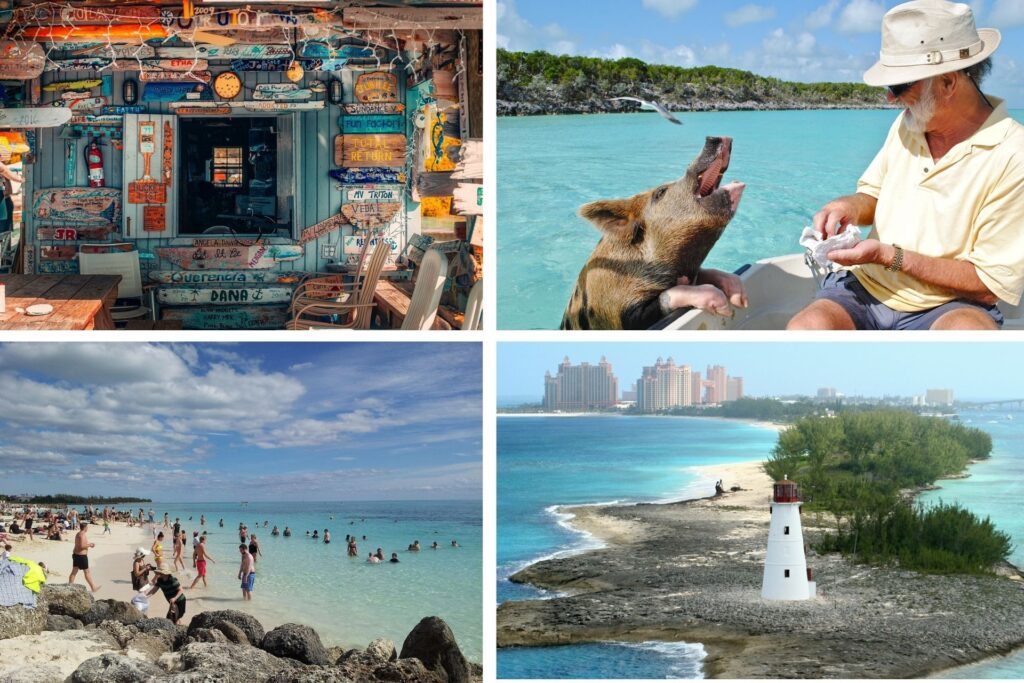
point(710, 180)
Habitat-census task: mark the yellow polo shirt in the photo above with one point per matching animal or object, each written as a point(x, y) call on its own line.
point(968, 206)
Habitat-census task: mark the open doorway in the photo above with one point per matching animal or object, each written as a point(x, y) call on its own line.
point(229, 177)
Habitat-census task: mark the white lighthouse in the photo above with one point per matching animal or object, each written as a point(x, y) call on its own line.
point(786, 576)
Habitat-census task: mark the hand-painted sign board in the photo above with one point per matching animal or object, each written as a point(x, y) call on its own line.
point(370, 215)
point(154, 218)
point(78, 205)
point(371, 194)
point(280, 106)
point(222, 241)
point(200, 111)
point(34, 117)
point(57, 253)
point(123, 109)
point(258, 257)
point(328, 65)
point(362, 176)
point(228, 318)
point(175, 76)
point(357, 151)
point(52, 13)
point(57, 267)
point(223, 296)
point(325, 51)
point(110, 33)
point(147, 192)
point(378, 86)
point(260, 64)
point(379, 108)
point(115, 51)
point(353, 247)
point(170, 92)
point(324, 227)
point(21, 61)
point(80, 84)
point(371, 123)
point(223, 277)
point(279, 95)
point(237, 51)
point(71, 234)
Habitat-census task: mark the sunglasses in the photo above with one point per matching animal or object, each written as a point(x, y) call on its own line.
point(898, 90)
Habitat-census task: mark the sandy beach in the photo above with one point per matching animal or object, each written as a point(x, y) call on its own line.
point(774, 426)
point(691, 571)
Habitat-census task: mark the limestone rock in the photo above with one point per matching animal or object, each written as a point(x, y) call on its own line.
point(296, 642)
point(359, 666)
point(118, 631)
point(382, 649)
point(433, 643)
point(21, 621)
point(249, 625)
point(42, 673)
point(70, 600)
point(61, 622)
point(53, 653)
point(232, 633)
point(206, 635)
point(112, 610)
point(224, 663)
point(313, 674)
point(114, 668)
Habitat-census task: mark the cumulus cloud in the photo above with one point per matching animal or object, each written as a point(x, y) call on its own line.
point(670, 8)
point(749, 14)
point(300, 366)
point(862, 16)
point(822, 16)
point(1007, 14)
point(519, 34)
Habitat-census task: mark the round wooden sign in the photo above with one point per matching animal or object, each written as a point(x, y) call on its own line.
point(227, 85)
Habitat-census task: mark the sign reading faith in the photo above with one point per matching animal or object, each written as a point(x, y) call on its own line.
point(354, 151)
point(372, 124)
point(378, 86)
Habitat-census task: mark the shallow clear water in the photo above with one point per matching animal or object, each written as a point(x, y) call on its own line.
point(548, 461)
point(349, 601)
point(792, 162)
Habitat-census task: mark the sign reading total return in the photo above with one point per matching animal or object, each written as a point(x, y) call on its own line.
point(372, 139)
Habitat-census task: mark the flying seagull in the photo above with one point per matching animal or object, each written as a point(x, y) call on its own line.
point(653, 105)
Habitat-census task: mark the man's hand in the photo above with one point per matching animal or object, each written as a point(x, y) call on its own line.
point(866, 251)
point(730, 284)
point(833, 218)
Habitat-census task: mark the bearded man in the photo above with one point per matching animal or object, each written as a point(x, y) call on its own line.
point(945, 193)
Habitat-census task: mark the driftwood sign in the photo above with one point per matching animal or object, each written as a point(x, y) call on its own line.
point(223, 296)
point(377, 108)
point(201, 111)
point(377, 86)
point(224, 277)
point(34, 117)
point(371, 123)
point(258, 257)
point(229, 318)
point(361, 176)
point(72, 234)
point(357, 151)
point(324, 227)
point(175, 76)
point(353, 247)
point(57, 253)
point(370, 216)
point(78, 205)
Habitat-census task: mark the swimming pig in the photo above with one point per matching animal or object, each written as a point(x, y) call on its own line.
point(651, 242)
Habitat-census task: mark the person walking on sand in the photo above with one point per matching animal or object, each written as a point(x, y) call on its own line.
point(167, 521)
point(106, 526)
point(247, 572)
point(178, 552)
point(158, 548)
point(201, 557)
point(168, 583)
point(195, 546)
point(80, 557)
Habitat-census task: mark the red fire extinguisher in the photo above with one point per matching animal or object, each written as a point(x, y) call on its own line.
point(94, 162)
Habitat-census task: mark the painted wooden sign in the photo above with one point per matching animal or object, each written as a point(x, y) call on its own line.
point(260, 64)
point(154, 218)
point(78, 205)
point(216, 19)
point(370, 215)
point(213, 277)
point(175, 76)
point(57, 267)
point(53, 13)
point(72, 234)
point(378, 108)
point(257, 257)
point(70, 163)
point(57, 253)
point(279, 94)
point(170, 92)
point(122, 109)
point(21, 61)
point(440, 153)
point(317, 50)
point(378, 86)
point(357, 151)
point(353, 247)
point(167, 160)
point(327, 65)
point(237, 51)
point(324, 227)
point(362, 176)
point(106, 248)
point(176, 64)
point(79, 84)
point(413, 18)
point(372, 194)
point(229, 318)
point(83, 103)
point(200, 241)
point(371, 123)
point(109, 33)
point(280, 106)
point(98, 131)
point(113, 51)
point(223, 296)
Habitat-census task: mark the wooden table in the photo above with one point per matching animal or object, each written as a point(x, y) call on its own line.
point(392, 299)
point(80, 302)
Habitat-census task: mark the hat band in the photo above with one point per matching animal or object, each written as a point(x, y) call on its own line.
point(933, 57)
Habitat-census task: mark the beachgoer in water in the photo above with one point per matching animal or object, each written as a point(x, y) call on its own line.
point(201, 558)
point(316, 534)
point(202, 520)
point(247, 572)
point(380, 554)
point(221, 522)
point(394, 558)
point(168, 583)
point(287, 531)
point(373, 559)
point(414, 547)
point(327, 536)
point(455, 544)
point(80, 557)
point(353, 551)
point(254, 548)
point(274, 531)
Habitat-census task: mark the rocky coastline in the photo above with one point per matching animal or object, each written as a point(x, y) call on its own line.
point(691, 571)
point(548, 106)
point(71, 638)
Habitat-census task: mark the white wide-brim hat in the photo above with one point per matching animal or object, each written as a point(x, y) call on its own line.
point(925, 38)
point(141, 552)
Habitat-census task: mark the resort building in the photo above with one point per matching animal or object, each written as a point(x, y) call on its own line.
point(938, 397)
point(581, 387)
point(665, 385)
point(786, 575)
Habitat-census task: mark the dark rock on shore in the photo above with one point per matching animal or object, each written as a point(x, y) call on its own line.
point(295, 641)
point(111, 610)
point(114, 668)
point(68, 599)
point(60, 622)
point(432, 642)
point(248, 624)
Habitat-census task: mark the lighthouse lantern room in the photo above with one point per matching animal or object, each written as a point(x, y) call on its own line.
point(786, 576)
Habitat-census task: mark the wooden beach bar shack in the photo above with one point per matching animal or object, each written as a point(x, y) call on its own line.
point(237, 148)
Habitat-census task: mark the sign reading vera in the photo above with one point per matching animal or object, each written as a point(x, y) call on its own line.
point(90, 205)
point(371, 207)
point(378, 86)
point(382, 150)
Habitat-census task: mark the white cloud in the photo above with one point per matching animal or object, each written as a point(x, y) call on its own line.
point(518, 34)
point(300, 366)
point(670, 8)
point(862, 16)
point(96, 363)
point(749, 14)
point(1007, 13)
point(822, 16)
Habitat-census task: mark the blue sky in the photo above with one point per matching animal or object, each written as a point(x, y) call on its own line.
point(799, 40)
point(976, 370)
point(222, 422)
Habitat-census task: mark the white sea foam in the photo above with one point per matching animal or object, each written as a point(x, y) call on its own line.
point(687, 658)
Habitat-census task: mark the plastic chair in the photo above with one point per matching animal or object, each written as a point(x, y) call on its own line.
point(474, 307)
point(125, 264)
point(310, 313)
point(430, 278)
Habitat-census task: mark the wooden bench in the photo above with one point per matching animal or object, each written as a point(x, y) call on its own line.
point(152, 325)
point(393, 300)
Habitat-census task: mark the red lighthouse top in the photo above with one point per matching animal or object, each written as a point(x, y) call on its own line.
point(785, 491)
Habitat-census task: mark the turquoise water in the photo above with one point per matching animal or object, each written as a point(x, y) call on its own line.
point(349, 601)
point(792, 162)
point(548, 461)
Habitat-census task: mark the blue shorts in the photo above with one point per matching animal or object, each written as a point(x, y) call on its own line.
point(248, 582)
point(868, 313)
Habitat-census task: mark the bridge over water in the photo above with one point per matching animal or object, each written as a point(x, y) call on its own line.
point(1004, 404)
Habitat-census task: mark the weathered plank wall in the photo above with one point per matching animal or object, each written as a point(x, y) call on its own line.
point(318, 198)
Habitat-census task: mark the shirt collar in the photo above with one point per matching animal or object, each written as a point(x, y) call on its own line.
point(995, 128)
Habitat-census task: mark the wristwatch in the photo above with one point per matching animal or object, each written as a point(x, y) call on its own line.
point(897, 260)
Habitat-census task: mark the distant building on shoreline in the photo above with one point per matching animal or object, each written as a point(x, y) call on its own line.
point(665, 385)
point(938, 397)
point(581, 387)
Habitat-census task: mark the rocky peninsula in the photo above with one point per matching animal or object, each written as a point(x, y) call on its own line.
point(691, 571)
point(71, 638)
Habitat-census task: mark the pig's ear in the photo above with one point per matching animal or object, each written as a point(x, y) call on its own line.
point(614, 217)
